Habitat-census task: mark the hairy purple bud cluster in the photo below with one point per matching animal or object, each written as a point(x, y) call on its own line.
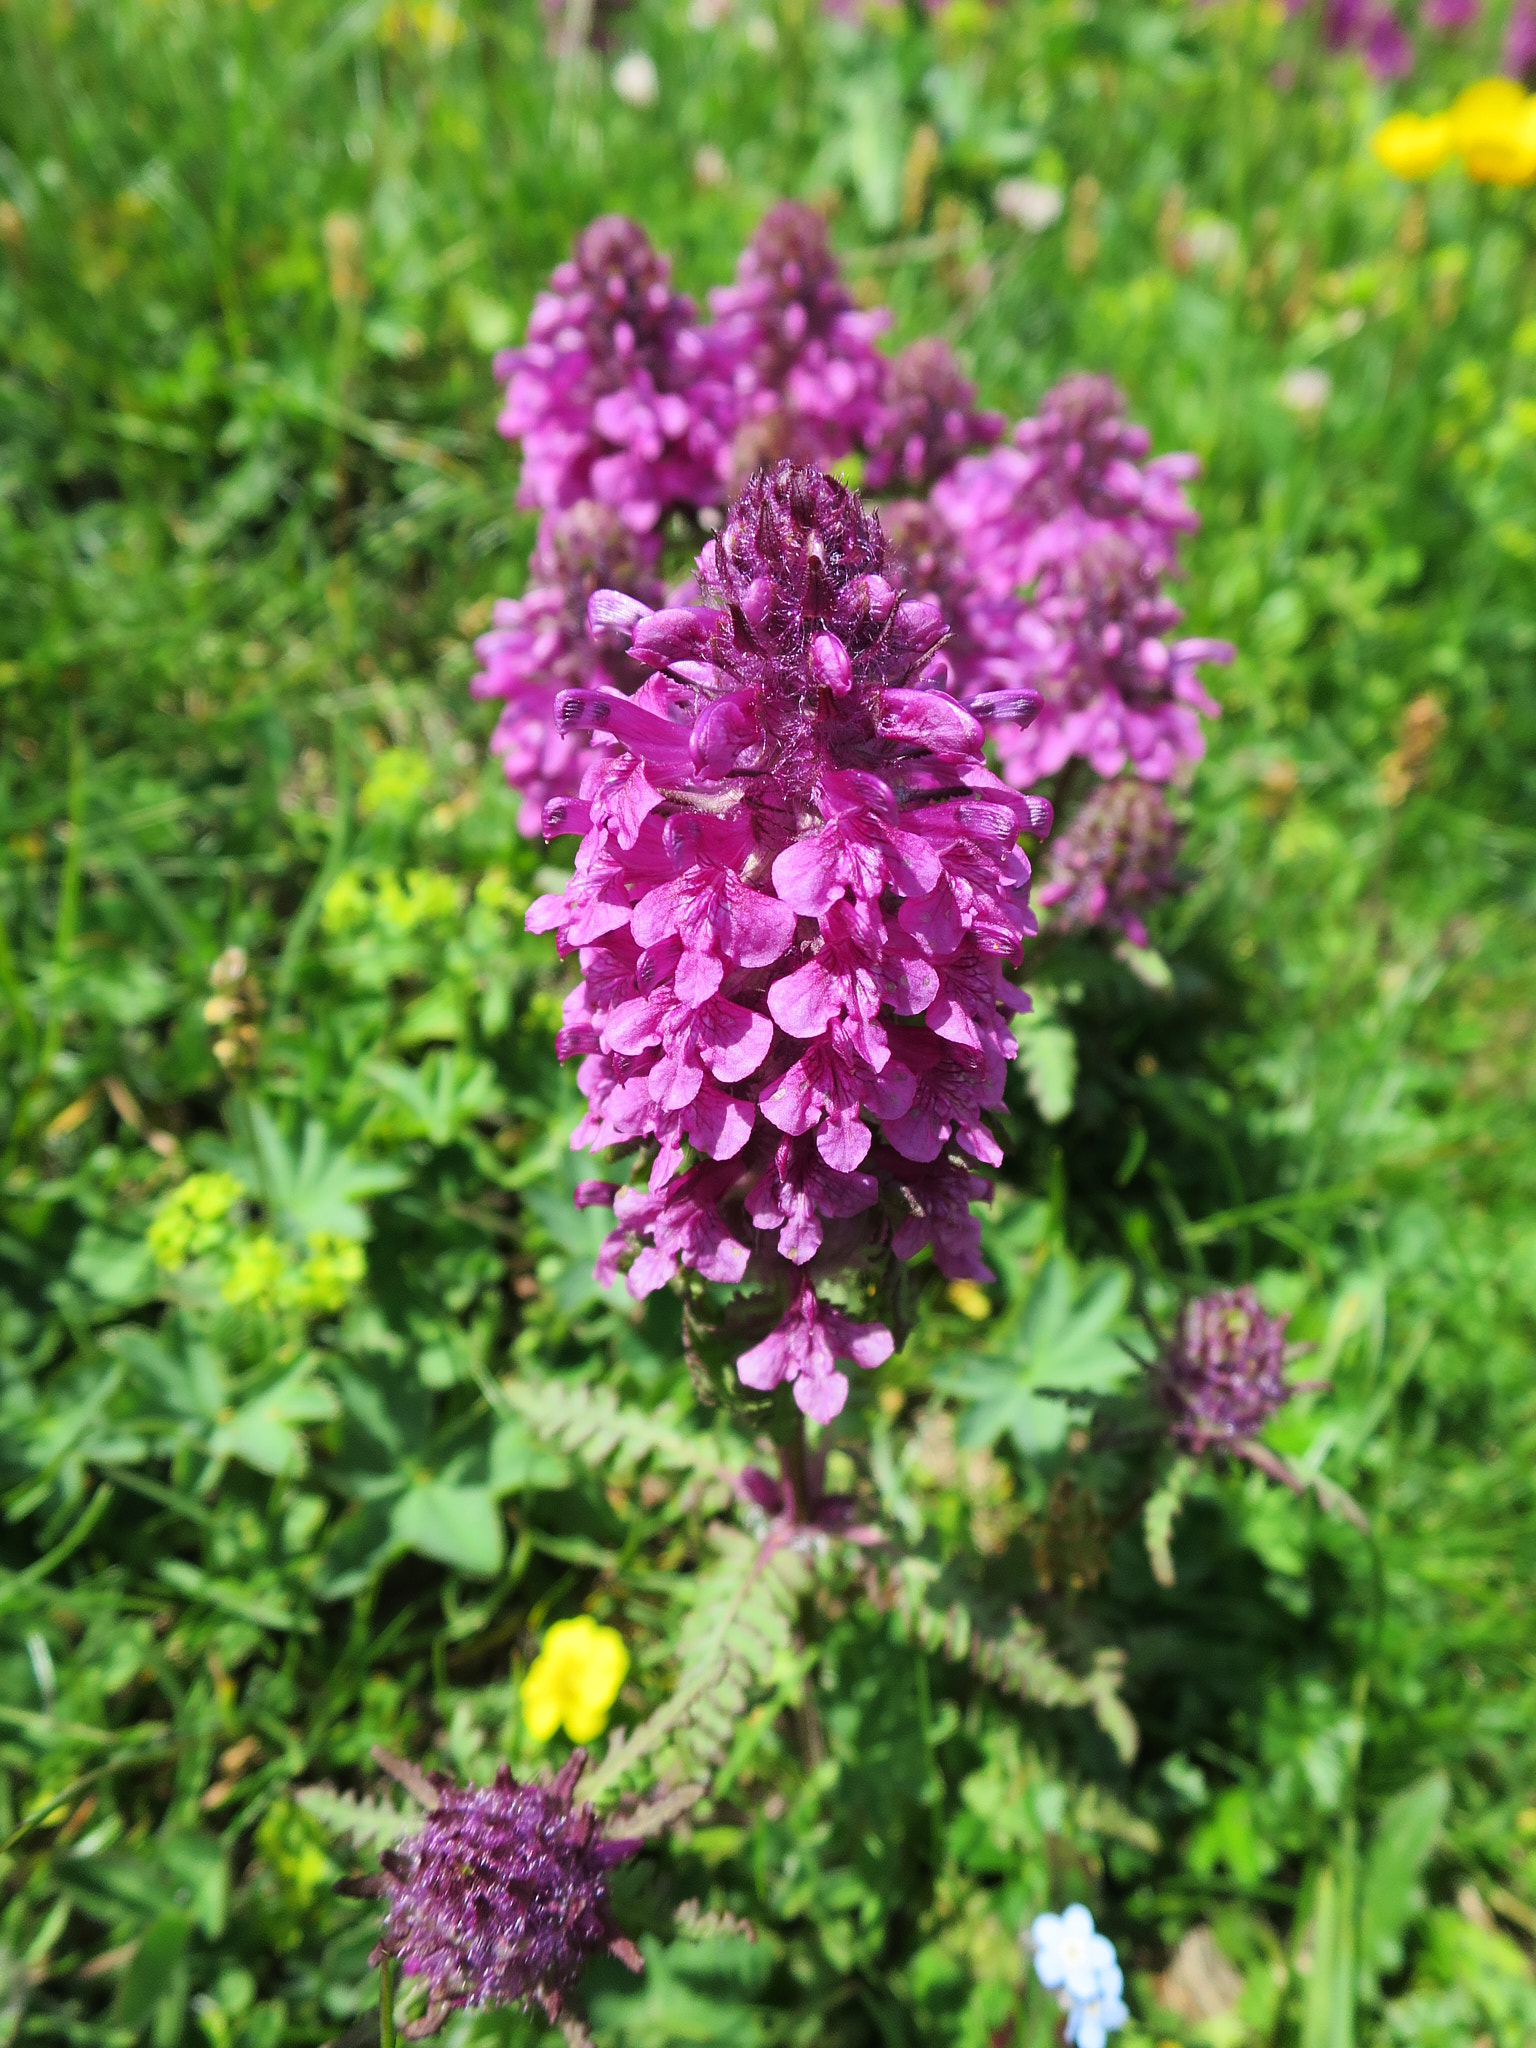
point(1115, 859)
point(540, 645)
point(501, 1897)
point(796, 896)
point(1224, 1374)
point(611, 394)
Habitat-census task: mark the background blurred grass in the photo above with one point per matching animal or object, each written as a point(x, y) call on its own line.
point(252, 266)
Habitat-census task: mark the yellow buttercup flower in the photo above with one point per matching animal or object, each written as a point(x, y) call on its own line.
point(574, 1680)
point(1493, 129)
point(1414, 145)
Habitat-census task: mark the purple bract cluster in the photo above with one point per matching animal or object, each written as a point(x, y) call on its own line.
point(797, 891)
point(1116, 858)
point(501, 1898)
point(1224, 1375)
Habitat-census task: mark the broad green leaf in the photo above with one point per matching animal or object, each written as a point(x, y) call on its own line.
point(161, 1947)
point(116, 1269)
point(265, 1432)
point(519, 1460)
point(459, 1526)
point(443, 1097)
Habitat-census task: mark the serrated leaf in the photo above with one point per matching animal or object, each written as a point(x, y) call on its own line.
point(321, 1186)
point(444, 1097)
point(1048, 1058)
point(1064, 1341)
point(368, 1823)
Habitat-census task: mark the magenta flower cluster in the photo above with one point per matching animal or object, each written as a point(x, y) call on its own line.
point(501, 1898)
point(797, 893)
point(1117, 857)
point(1048, 553)
point(1066, 533)
point(1224, 1374)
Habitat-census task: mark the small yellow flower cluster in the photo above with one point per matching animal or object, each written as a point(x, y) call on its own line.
point(1491, 127)
point(574, 1680)
point(423, 897)
point(263, 1274)
point(192, 1219)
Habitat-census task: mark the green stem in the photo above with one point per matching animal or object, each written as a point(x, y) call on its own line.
point(387, 2003)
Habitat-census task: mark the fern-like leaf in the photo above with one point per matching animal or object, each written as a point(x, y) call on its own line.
point(1016, 1657)
point(367, 1823)
point(740, 1619)
point(589, 1424)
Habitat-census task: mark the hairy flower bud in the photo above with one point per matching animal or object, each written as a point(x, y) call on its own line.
point(1223, 1376)
point(928, 421)
point(501, 1897)
point(797, 892)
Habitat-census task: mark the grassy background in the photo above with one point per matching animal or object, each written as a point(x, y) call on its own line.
point(252, 266)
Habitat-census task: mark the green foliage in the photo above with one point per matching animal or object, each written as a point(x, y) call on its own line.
point(312, 1415)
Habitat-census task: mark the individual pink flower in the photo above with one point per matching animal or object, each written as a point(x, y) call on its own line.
point(541, 644)
point(611, 394)
point(797, 894)
point(806, 379)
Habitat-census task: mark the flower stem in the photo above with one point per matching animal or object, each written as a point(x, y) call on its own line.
point(387, 2002)
point(792, 1467)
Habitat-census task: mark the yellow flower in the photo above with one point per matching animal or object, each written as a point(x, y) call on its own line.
point(574, 1680)
point(1413, 145)
point(1493, 129)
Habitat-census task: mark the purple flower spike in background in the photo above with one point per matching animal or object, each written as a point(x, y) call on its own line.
point(929, 420)
point(1066, 535)
point(610, 395)
point(797, 892)
point(1446, 17)
point(1224, 1376)
point(1518, 52)
point(1116, 858)
point(806, 378)
point(541, 645)
point(501, 1897)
